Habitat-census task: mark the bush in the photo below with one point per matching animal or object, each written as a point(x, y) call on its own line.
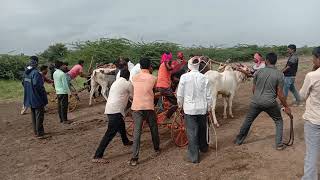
point(12, 67)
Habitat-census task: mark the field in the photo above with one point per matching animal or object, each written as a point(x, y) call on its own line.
point(68, 153)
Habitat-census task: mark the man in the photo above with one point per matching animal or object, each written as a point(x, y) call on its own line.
point(35, 96)
point(179, 67)
point(267, 85)
point(62, 88)
point(119, 94)
point(311, 92)
point(290, 72)
point(195, 97)
point(165, 89)
point(43, 72)
point(121, 65)
point(143, 108)
point(77, 70)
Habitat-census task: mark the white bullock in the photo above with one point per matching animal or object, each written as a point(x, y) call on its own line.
point(101, 77)
point(225, 83)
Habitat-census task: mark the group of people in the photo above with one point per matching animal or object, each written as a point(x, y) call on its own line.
point(35, 95)
point(135, 87)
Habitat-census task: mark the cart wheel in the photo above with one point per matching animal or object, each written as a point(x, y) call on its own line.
point(129, 126)
point(73, 102)
point(178, 131)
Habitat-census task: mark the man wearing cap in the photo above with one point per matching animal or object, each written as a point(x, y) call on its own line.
point(195, 98)
point(290, 72)
point(35, 96)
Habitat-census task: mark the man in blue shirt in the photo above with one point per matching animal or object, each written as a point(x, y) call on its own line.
point(35, 96)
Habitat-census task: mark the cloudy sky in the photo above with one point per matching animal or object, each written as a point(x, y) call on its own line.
point(29, 26)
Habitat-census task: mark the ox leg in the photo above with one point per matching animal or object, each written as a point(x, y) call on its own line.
point(94, 86)
point(230, 105)
point(214, 102)
point(104, 92)
point(225, 104)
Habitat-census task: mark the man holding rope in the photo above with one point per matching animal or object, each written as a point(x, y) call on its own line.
point(267, 86)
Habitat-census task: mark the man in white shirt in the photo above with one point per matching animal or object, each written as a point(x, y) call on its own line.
point(119, 94)
point(134, 71)
point(311, 92)
point(194, 95)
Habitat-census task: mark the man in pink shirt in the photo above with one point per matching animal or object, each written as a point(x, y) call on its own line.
point(77, 70)
point(143, 108)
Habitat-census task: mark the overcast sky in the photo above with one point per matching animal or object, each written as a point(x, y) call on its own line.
point(29, 26)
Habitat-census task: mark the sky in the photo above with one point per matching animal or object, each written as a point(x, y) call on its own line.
point(30, 26)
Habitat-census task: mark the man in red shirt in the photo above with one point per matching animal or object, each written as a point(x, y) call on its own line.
point(164, 87)
point(179, 67)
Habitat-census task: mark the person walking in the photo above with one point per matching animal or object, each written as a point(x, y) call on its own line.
point(194, 96)
point(143, 108)
point(35, 96)
point(290, 72)
point(311, 92)
point(61, 84)
point(120, 92)
point(267, 86)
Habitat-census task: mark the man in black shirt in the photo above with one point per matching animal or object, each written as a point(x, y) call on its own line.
point(290, 72)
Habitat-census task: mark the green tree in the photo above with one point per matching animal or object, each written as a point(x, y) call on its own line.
point(55, 52)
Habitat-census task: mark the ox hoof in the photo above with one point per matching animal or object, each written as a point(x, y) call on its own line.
point(225, 116)
point(217, 125)
point(231, 116)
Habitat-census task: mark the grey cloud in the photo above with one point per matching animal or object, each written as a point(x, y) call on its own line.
point(30, 26)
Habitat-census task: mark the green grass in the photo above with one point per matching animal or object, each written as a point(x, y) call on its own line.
point(10, 90)
point(13, 90)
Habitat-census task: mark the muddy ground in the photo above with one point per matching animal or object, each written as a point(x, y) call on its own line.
point(68, 153)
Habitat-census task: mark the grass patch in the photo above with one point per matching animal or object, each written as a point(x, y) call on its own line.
point(10, 90)
point(13, 90)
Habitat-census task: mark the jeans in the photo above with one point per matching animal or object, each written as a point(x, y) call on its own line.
point(168, 93)
point(312, 140)
point(63, 107)
point(37, 115)
point(289, 85)
point(115, 124)
point(139, 117)
point(273, 111)
point(197, 135)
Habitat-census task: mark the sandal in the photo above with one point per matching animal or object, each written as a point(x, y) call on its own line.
point(100, 161)
point(281, 147)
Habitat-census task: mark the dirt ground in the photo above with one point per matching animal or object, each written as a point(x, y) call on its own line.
point(68, 153)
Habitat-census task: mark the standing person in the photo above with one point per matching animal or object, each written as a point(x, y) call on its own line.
point(195, 97)
point(35, 96)
point(121, 65)
point(267, 86)
point(165, 89)
point(311, 92)
point(43, 72)
point(258, 63)
point(62, 88)
point(290, 72)
point(119, 94)
point(143, 108)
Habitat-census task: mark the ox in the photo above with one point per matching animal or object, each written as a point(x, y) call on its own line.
point(101, 77)
point(226, 84)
